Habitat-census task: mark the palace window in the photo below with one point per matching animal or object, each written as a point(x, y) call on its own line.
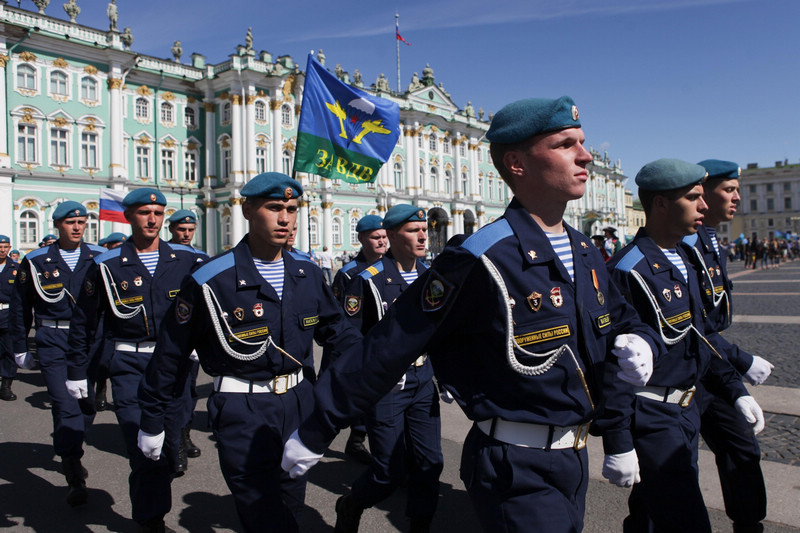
point(225, 113)
point(286, 115)
point(189, 118)
point(287, 162)
point(89, 148)
point(462, 149)
point(433, 143)
point(26, 77)
point(770, 204)
point(353, 232)
point(168, 163)
point(787, 204)
point(398, 176)
point(434, 180)
point(167, 113)
point(142, 161)
point(313, 231)
point(227, 163)
point(92, 228)
point(448, 182)
point(753, 205)
point(336, 231)
point(26, 143)
point(226, 231)
point(446, 145)
point(261, 159)
point(464, 183)
point(28, 228)
point(58, 83)
point(261, 111)
point(190, 166)
point(142, 108)
point(58, 147)
point(88, 89)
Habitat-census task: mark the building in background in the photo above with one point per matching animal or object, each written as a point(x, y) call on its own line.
point(84, 112)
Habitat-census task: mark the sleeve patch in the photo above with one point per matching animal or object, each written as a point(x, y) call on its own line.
point(436, 293)
point(352, 304)
point(88, 286)
point(183, 311)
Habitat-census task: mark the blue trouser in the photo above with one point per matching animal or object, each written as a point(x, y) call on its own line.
point(8, 367)
point(668, 499)
point(149, 481)
point(405, 434)
point(189, 407)
point(515, 488)
point(738, 457)
point(250, 430)
point(69, 423)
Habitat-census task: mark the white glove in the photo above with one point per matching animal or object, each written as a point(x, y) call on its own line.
point(759, 371)
point(24, 360)
point(635, 358)
point(446, 396)
point(297, 459)
point(151, 444)
point(752, 412)
point(400, 385)
point(622, 469)
point(194, 357)
point(78, 389)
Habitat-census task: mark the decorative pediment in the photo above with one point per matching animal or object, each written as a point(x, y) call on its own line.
point(433, 98)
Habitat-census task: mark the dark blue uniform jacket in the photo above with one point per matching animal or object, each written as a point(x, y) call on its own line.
point(7, 279)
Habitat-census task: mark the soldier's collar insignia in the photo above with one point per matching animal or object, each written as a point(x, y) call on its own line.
point(532, 254)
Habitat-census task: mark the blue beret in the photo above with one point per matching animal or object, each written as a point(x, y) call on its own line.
point(48, 237)
point(273, 185)
point(718, 169)
point(4, 240)
point(183, 216)
point(144, 196)
point(668, 174)
point(402, 213)
point(523, 119)
point(113, 238)
point(69, 209)
point(14, 251)
point(369, 223)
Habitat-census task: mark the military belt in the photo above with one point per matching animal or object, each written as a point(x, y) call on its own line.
point(56, 324)
point(141, 347)
point(277, 385)
point(667, 394)
point(3, 306)
point(541, 436)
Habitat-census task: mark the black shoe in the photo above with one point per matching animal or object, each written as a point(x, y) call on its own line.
point(192, 451)
point(6, 394)
point(182, 465)
point(355, 449)
point(348, 515)
point(76, 475)
point(156, 525)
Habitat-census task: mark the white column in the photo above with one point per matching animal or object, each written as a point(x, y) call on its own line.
point(414, 184)
point(115, 127)
point(250, 136)
point(237, 220)
point(301, 238)
point(5, 159)
point(237, 143)
point(212, 225)
point(7, 211)
point(457, 171)
point(211, 144)
point(327, 222)
point(277, 138)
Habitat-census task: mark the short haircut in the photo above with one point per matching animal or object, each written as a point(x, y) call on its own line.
point(498, 152)
point(646, 196)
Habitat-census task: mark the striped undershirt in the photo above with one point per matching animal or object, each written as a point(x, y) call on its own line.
point(71, 257)
point(676, 260)
point(150, 261)
point(562, 248)
point(272, 272)
point(712, 232)
point(410, 277)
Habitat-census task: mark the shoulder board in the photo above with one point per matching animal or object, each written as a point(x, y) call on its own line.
point(300, 256)
point(98, 249)
point(348, 267)
point(185, 248)
point(487, 236)
point(108, 254)
point(627, 263)
point(36, 253)
point(690, 239)
point(371, 270)
point(214, 267)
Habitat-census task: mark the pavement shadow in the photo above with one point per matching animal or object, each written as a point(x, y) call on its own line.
point(206, 513)
point(107, 437)
point(41, 505)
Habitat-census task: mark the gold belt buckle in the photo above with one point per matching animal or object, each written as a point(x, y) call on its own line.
point(280, 384)
point(686, 399)
point(581, 434)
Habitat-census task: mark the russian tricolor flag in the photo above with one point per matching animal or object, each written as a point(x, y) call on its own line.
point(111, 205)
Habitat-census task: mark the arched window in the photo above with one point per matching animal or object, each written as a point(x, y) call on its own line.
point(226, 231)
point(88, 89)
point(433, 144)
point(92, 228)
point(261, 159)
point(446, 145)
point(419, 141)
point(89, 150)
point(28, 228)
point(398, 176)
point(27, 135)
point(480, 186)
point(287, 162)
point(26, 77)
point(225, 115)
point(464, 183)
point(353, 232)
point(190, 166)
point(59, 147)
point(336, 231)
point(448, 182)
point(168, 163)
point(462, 149)
point(491, 188)
point(189, 118)
point(58, 83)
point(313, 231)
point(434, 180)
point(261, 111)
point(286, 115)
point(142, 108)
point(226, 162)
point(167, 113)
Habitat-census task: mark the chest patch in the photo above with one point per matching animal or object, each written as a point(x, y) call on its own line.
point(534, 337)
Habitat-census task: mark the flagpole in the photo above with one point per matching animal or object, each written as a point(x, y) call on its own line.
point(397, 29)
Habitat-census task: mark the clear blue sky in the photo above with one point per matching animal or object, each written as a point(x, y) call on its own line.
point(691, 79)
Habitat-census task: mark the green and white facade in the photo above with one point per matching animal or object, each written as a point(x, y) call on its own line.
point(84, 112)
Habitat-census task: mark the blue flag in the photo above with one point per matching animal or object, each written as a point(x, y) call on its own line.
point(344, 132)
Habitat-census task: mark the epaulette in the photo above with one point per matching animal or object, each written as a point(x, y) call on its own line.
point(36, 253)
point(371, 270)
point(348, 267)
point(108, 254)
point(627, 263)
point(487, 236)
point(300, 256)
point(214, 267)
point(691, 240)
point(98, 249)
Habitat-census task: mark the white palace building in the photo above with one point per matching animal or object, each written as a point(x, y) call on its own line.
point(85, 112)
